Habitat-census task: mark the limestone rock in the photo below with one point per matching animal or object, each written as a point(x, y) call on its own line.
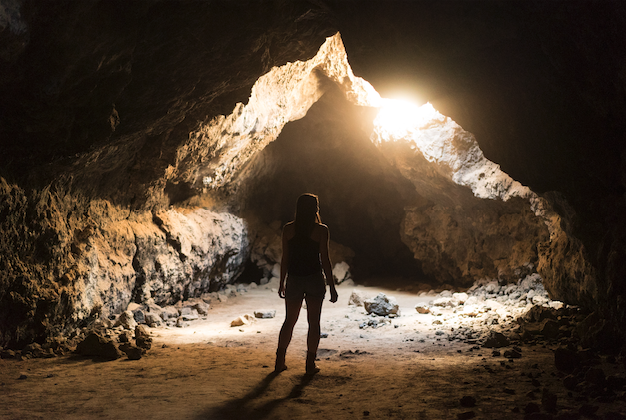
point(189, 314)
point(381, 305)
point(142, 337)
point(246, 319)
point(153, 320)
point(126, 320)
point(422, 309)
point(98, 346)
point(169, 312)
point(265, 313)
point(356, 298)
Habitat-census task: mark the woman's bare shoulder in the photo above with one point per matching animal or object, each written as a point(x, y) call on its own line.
point(289, 229)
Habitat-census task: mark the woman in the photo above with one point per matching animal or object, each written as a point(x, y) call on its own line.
point(305, 255)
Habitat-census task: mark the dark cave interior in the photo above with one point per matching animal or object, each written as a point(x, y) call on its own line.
point(99, 100)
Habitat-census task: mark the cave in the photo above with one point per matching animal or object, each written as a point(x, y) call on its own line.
point(469, 157)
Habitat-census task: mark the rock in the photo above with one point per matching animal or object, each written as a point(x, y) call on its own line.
point(512, 354)
point(7, 354)
point(242, 320)
point(180, 323)
point(466, 415)
point(468, 401)
point(98, 346)
point(446, 302)
point(189, 314)
point(539, 313)
point(133, 306)
point(142, 337)
point(356, 298)
point(566, 360)
point(201, 307)
point(132, 352)
point(266, 313)
point(126, 320)
point(422, 309)
point(124, 337)
point(139, 316)
point(152, 319)
point(496, 340)
point(460, 297)
point(169, 312)
point(341, 272)
point(381, 305)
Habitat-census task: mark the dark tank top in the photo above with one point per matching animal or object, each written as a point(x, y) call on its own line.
point(304, 256)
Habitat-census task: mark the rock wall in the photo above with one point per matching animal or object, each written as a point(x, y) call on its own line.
point(67, 259)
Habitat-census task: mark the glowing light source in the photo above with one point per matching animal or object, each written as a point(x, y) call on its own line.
point(400, 119)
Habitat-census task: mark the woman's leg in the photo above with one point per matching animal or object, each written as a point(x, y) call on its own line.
point(314, 313)
point(292, 309)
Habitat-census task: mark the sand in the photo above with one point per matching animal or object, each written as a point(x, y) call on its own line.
point(210, 370)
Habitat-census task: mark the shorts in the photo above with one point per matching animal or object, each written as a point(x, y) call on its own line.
point(298, 287)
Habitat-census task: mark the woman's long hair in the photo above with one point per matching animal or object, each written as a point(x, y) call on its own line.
point(307, 208)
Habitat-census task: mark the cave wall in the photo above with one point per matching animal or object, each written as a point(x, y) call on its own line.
point(541, 85)
point(104, 104)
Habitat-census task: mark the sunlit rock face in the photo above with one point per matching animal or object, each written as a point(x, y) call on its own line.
point(69, 260)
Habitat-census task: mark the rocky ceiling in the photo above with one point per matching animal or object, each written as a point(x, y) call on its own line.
point(116, 184)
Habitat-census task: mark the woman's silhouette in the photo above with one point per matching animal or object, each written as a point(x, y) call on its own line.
point(305, 255)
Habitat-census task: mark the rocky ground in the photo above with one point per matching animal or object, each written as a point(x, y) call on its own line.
point(490, 352)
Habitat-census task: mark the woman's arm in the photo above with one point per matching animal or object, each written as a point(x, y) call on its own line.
point(326, 264)
point(284, 262)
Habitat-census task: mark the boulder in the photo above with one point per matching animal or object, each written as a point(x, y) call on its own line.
point(356, 298)
point(139, 315)
point(142, 337)
point(246, 319)
point(98, 346)
point(422, 309)
point(126, 320)
point(153, 319)
point(496, 340)
point(132, 352)
point(382, 305)
point(189, 314)
point(169, 312)
point(265, 313)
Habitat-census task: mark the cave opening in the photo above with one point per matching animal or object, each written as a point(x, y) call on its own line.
point(362, 196)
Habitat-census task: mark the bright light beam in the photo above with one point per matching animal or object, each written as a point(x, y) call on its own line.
point(400, 119)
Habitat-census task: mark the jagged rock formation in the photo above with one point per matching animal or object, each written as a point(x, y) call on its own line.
point(125, 175)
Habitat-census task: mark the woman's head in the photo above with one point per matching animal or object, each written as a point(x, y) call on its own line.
point(307, 212)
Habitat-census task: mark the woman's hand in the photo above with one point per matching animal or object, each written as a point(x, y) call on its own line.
point(281, 290)
point(333, 295)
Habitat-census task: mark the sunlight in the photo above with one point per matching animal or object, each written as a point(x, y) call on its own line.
point(400, 119)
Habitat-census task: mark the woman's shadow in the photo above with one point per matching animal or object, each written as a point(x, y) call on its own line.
point(242, 408)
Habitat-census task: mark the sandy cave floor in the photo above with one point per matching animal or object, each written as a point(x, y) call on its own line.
point(210, 370)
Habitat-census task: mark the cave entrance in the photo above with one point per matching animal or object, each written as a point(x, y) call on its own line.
point(362, 196)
